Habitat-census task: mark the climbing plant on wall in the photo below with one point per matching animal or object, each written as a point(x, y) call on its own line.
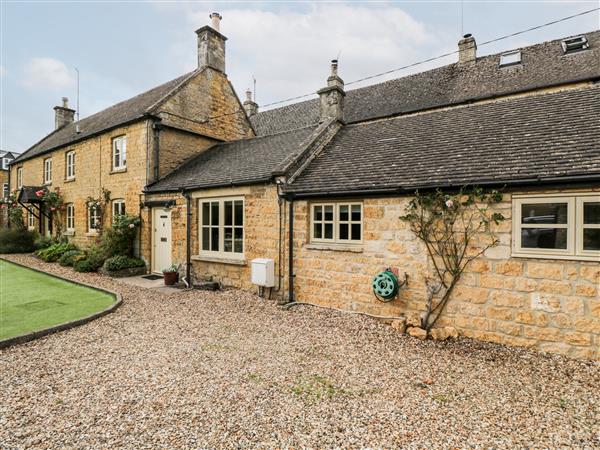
point(100, 204)
point(455, 229)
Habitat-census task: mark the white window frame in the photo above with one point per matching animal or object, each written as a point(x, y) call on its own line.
point(118, 207)
point(221, 253)
point(30, 221)
point(574, 226)
point(336, 223)
point(119, 153)
point(19, 177)
point(93, 213)
point(70, 215)
point(70, 165)
point(47, 170)
point(5, 162)
point(5, 190)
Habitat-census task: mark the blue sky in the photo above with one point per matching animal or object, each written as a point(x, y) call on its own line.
point(124, 48)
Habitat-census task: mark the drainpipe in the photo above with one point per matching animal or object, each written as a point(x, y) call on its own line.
point(188, 236)
point(291, 253)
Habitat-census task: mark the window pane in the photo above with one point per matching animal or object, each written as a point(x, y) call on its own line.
point(318, 213)
point(239, 212)
point(343, 231)
point(328, 212)
point(228, 233)
point(238, 242)
point(591, 239)
point(544, 213)
point(356, 232)
point(205, 238)
point(317, 231)
point(591, 212)
point(328, 231)
point(214, 239)
point(344, 212)
point(205, 213)
point(228, 245)
point(228, 213)
point(214, 216)
point(544, 238)
point(356, 212)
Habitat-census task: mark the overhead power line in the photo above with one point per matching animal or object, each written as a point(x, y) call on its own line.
point(418, 63)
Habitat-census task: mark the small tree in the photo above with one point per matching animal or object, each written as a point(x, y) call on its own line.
point(14, 210)
point(55, 206)
point(455, 230)
point(119, 239)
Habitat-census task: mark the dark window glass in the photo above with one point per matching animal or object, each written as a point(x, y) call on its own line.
point(214, 239)
point(591, 212)
point(214, 217)
point(228, 206)
point(555, 238)
point(356, 231)
point(328, 231)
point(239, 212)
point(544, 213)
point(206, 239)
point(343, 231)
point(238, 240)
point(591, 239)
point(317, 231)
point(356, 212)
point(205, 213)
point(318, 213)
point(329, 212)
point(344, 213)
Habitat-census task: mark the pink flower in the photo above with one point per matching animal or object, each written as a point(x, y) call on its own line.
point(53, 209)
point(39, 193)
point(449, 203)
point(3, 206)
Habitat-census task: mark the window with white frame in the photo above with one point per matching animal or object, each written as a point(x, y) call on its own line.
point(119, 153)
point(5, 162)
point(19, 177)
point(70, 217)
point(5, 189)
point(48, 170)
point(93, 218)
point(30, 221)
point(336, 223)
point(118, 207)
point(70, 165)
point(222, 226)
point(561, 226)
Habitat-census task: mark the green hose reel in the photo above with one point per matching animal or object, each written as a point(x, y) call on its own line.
point(386, 285)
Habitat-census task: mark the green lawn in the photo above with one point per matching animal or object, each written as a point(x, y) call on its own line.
point(32, 301)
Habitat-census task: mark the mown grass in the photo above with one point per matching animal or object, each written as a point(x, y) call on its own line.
point(32, 301)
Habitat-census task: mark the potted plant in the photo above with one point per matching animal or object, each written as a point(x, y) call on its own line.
point(171, 275)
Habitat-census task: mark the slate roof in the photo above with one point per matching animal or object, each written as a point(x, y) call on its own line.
point(121, 113)
point(246, 161)
point(542, 65)
point(536, 137)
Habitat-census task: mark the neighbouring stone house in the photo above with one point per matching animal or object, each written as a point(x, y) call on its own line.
point(5, 159)
point(131, 144)
point(524, 120)
point(318, 186)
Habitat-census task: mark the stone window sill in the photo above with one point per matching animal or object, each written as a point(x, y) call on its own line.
point(92, 233)
point(69, 180)
point(220, 259)
point(353, 248)
point(69, 233)
point(118, 171)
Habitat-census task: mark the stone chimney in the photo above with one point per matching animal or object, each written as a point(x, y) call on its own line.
point(331, 98)
point(211, 45)
point(63, 115)
point(250, 106)
point(467, 49)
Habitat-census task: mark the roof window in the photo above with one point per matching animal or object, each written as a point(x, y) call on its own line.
point(575, 44)
point(510, 58)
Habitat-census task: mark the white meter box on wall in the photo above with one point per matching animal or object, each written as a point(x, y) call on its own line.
point(263, 272)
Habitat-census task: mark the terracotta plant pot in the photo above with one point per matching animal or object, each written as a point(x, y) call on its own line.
point(171, 278)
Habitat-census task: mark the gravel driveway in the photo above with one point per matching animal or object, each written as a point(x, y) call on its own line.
point(227, 369)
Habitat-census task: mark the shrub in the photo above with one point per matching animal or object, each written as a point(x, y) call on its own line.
point(92, 261)
point(119, 239)
point(43, 242)
point(55, 251)
point(70, 257)
point(85, 265)
point(121, 262)
point(16, 241)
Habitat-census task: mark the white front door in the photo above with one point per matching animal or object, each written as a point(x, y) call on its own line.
point(161, 239)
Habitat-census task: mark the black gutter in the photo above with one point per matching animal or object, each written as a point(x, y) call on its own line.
point(291, 253)
point(188, 238)
point(210, 186)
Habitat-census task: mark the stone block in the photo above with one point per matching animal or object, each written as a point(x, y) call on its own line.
point(500, 313)
point(590, 273)
point(510, 267)
point(545, 270)
point(508, 298)
point(544, 302)
point(555, 287)
point(586, 290)
point(542, 333)
point(575, 338)
point(417, 332)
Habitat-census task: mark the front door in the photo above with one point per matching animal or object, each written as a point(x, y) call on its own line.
point(161, 239)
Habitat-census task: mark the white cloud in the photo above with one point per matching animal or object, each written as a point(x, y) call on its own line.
point(3, 71)
point(46, 73)
point(289, 51)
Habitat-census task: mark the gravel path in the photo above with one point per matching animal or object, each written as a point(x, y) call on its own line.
point(227, 369)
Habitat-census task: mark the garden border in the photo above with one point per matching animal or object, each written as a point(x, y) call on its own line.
point(23, 338)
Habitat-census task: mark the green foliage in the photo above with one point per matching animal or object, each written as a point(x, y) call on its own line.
point(43, 242)
point(16, 241)
point(55, 251)
point(15, 211)
point(92, 261)
point(453, 228)
point(171, 269)
point(119, 239)
point(121, 262)
point(70, 257)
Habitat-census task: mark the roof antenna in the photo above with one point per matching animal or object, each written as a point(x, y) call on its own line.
point(462, 17)
point(254, 81)
point(77, 70)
